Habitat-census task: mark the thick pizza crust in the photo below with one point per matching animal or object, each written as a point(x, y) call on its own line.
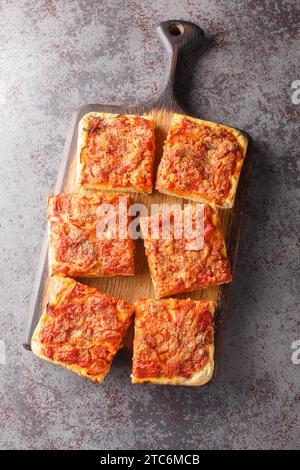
point(57, 267)
point(59, 288)
point(167, 293)
point(201, 377)
point(234, 179)
point(164, 286)
point(82, 142)
point(36, 348)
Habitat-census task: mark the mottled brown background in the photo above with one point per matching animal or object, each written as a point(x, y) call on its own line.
point(57, 55)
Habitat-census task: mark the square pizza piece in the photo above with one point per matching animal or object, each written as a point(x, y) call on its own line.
point(184, 260)
point(116, 152)
point(173, 342)
point(80, 242)
point(81, 328)
point(201, 161)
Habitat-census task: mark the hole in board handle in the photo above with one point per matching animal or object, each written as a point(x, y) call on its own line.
point(176, 29)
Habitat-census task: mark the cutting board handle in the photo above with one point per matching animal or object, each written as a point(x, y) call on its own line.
point(177, 36)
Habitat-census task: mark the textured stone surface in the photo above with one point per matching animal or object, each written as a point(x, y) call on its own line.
point(56, 55)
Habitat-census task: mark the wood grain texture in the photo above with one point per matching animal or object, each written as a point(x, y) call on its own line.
point(177, 37)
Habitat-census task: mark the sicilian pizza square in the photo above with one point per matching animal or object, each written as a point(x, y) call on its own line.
point(173, 342)
point(185, 260)
point(116, 152)
point(201, 161)
point(80, 241)
point(81, 328)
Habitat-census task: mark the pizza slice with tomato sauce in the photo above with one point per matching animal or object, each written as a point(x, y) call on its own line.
point(201, 161)
point(116, 152)
point(173, 342)
point(180, 263)
point(76, 248)
point(81, 328)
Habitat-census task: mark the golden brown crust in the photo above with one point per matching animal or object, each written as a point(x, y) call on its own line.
point(116, 152)
point(202, 161)
point(75, 249)
point(175, 266)
point(173, 342)
point(81, 329)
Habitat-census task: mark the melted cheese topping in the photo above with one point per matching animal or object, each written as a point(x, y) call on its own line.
point(74, 248)
point(116, 152)
point(173, 342)
point(81, 329)
point(175, 266)
point(201, 161)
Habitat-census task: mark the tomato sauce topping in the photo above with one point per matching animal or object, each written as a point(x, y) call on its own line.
point(75, 247)
point(176, 267)
point(119, 152)
point(85, 328)
point(200, 159)
point(172, 338)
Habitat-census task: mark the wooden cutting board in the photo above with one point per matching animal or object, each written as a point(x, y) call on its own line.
point(177, 37)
